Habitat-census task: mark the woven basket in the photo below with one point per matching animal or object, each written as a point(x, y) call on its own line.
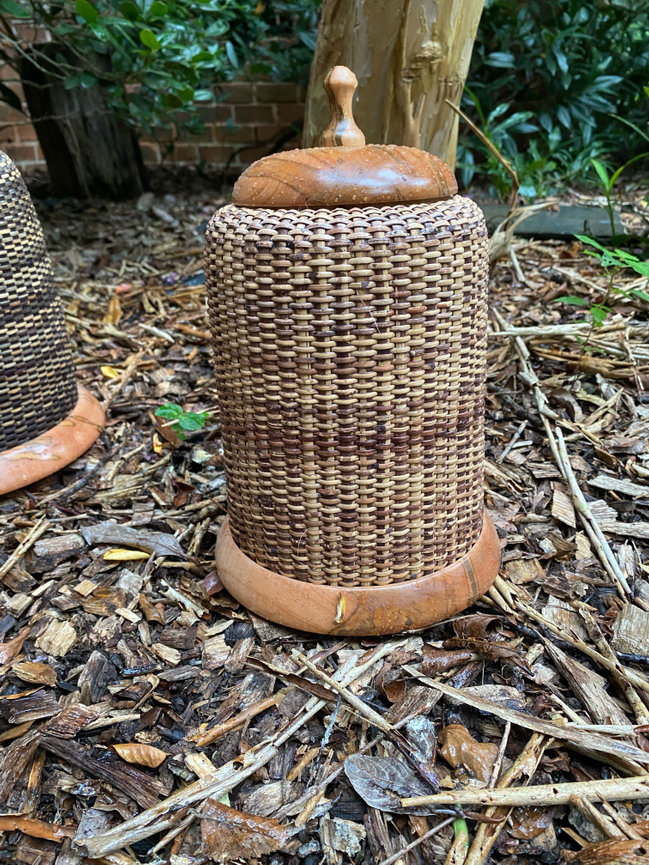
point(45, 419)
point(349, 347)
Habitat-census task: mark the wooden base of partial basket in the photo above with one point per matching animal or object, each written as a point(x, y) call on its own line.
point(377, 610)
point(54, 449)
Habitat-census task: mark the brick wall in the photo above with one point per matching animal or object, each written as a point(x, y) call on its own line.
point(240, 127)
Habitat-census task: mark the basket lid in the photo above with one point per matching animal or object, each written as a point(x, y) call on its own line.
point(344, 171)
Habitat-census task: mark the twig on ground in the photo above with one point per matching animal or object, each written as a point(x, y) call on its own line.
point(400, 853)
point(30, 538)
point(583, 508)
point(526, 764)
point(540, 795)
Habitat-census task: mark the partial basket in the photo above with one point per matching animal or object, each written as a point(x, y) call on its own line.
point(46, 419)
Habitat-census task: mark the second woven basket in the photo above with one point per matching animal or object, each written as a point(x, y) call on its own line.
point(46, 419)
point(347, 289)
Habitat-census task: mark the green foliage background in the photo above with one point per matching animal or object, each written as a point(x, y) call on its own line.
point(549, 79)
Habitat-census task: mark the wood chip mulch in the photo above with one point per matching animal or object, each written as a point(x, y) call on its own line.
point(146, 717)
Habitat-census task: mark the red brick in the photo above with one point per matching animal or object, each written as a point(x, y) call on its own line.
point(214, 113)
point(268, 132)
point(26, 132)
point(239, 135)
point(8, 134)
point(238, 92)
point(274, 91)
point(254, 114)
point(290, 113)
point(185, 153)
point(150, 152)
point(215, 155)
point(23, 152)
point(252, 154)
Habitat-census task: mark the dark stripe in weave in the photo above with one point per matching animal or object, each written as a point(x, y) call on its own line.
point(37, 385)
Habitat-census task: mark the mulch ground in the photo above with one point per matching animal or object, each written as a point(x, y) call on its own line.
point(145, 716)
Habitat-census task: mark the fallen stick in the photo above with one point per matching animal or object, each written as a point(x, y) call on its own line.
point(573, 735)
point(400, 853)
point(162, 816)
point(30, 538)
point(602, 546)
point(206, 737)
point(541, 795)
point(487, 833)
point(600, 821)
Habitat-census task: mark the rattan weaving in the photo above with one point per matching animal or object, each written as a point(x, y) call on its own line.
point(349, 346)
point(37, 385)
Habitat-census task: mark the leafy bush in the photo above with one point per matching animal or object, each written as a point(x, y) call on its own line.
point(154, 57)
point(545, 82)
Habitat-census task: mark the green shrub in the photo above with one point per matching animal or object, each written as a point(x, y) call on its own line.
point(156, 57)
point(546, 78)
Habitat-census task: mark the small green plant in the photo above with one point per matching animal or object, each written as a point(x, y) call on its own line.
point(612, 261)
point(182, 421)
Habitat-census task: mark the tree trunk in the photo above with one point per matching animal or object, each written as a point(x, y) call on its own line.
point(409, 57)
point(88, 152)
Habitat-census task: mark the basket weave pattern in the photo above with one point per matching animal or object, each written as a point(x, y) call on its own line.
point(349, 347)
point(37, 385)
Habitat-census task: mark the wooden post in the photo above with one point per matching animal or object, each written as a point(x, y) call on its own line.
point(409, 57)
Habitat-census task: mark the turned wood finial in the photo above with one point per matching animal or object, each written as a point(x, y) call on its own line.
point(342, 131)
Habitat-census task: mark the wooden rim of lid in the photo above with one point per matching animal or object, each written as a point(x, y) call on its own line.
point(344, 171)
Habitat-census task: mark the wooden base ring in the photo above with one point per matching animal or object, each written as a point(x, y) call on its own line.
point(54, 449)
point(357, 611)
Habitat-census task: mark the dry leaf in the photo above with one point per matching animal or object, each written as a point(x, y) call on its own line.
point(36, 672)
point(383, 781)
point(10, 649)
point(459, 748)
point(110, 372)
point(114, 313)
point(229, 834)
point(109, 532)
point(116, 554)
point(143, 755)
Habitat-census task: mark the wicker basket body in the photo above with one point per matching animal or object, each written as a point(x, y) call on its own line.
point(349, 346)
point(37, 386)
point(46, 420)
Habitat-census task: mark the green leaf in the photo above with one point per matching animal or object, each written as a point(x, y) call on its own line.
point(88, 80)
point(232, 54)
point(192, 420)
point(598, 314)
point(591, 242)
point(149, 39)
point(570, 298)
point(129, 10)
point(637, 292)
point(602, 173)
point(169, 411)
point(159, 9)
point(85, 10)
point(7, 95)
point(15, 10)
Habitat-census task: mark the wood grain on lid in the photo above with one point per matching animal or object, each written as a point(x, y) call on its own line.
point(344, 177)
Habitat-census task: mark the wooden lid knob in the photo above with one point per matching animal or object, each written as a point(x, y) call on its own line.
point(342, 131)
